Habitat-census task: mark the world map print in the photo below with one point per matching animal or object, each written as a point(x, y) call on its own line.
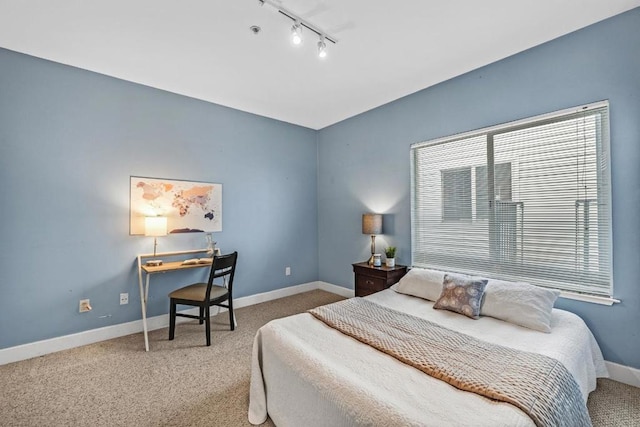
point(189, 206)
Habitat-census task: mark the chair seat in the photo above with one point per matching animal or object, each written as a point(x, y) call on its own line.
point(198, 291)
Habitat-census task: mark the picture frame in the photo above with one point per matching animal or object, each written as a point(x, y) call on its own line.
point(189, 206)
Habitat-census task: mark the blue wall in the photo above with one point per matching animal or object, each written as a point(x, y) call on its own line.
point(364, 161)
point(70, 139)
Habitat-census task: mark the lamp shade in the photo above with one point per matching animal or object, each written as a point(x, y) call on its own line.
point(371, 223)
point(155, 226)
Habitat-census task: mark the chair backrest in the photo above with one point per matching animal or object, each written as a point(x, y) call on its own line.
point(223, 266)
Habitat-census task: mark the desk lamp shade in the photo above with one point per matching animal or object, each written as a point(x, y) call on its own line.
point(155, 226)
point(372, 225)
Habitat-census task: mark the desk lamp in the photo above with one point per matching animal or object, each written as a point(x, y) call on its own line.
point(372, 225)
point(155, 226)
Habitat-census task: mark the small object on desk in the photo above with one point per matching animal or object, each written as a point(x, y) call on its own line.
point(210, 243)
point(193, 261)
point(153, 263)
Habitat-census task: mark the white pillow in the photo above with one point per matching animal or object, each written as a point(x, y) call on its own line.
point(519, 303)
point(422, 283)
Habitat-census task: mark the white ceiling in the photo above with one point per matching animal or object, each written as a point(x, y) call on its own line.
point(204, 49)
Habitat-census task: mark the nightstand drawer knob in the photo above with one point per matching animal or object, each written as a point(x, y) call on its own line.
point(369, 282)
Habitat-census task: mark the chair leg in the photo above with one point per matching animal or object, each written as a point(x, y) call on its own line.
point(172, 320)
point(208, 325)
point(231, 318)
point(201, 315)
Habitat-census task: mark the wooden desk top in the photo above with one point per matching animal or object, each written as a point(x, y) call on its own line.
point(171, 266)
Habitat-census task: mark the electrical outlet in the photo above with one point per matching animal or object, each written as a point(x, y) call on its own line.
point(287, 271)
point(124, 298)
point(84, 306)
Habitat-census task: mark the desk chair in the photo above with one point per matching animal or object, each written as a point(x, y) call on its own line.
point(204, 295)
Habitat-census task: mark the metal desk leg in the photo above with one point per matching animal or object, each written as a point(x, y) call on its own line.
point(143, 304)
point(144, 315)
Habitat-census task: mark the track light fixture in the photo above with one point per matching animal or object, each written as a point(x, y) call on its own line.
point(296, 34)
point(322, 48)
point(296, 29)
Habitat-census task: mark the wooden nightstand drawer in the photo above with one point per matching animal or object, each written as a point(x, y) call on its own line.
point(366, 285)
point(376, 272)
point(371, 279)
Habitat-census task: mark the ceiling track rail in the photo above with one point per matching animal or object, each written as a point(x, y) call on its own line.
point(297, 19)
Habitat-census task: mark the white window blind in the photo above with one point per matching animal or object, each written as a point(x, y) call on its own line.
point(524, 201)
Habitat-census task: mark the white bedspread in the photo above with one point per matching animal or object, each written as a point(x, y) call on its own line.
point(306, 373)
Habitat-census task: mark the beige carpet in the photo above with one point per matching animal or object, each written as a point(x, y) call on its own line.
point(183, 382)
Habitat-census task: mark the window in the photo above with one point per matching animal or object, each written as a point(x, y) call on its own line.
point(456, 191)
point(456, 194)
point(524, 201)
point(502, 179)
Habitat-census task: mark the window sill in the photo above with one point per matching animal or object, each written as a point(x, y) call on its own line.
point(589, 298)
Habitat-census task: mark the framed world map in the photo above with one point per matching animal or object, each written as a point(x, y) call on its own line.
point(189, 206)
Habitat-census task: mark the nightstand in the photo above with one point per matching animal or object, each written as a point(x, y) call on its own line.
point(370, 279)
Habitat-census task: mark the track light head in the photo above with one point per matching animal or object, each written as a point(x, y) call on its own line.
point(296, 34)
point(322, 48)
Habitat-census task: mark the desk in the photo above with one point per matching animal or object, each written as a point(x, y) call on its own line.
point(165, 267)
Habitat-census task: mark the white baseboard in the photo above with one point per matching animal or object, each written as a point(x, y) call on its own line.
point(334, 289)
point(623, 374)
point(617, 372)
point(39, 348)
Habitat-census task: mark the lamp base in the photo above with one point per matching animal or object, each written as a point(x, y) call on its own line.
point(153, 263)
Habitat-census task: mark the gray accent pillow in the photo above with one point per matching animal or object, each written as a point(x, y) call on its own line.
point(519, 303)
point(462, 295)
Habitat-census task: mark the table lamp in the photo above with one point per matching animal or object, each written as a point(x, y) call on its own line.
point(155, 226)
point(372, 225)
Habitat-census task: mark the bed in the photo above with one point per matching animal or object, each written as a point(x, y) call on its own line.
point(305, 372)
